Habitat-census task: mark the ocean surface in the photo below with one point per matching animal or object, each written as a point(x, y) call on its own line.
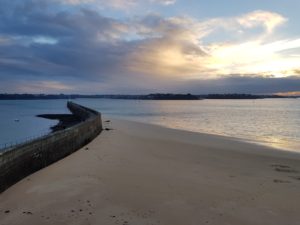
point(272, 122)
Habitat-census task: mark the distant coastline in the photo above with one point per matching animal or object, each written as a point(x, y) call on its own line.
point(156, 96)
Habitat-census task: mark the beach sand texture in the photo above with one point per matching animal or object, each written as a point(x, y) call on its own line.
point(139, 174)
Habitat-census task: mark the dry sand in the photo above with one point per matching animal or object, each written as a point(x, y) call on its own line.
point(139, 174)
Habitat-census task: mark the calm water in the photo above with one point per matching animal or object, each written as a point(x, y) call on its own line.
point(29, 126)
point(273, 122)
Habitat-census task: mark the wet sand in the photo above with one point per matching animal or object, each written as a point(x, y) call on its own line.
point(141, 174)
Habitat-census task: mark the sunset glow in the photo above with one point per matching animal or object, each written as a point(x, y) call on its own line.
point(121, 45)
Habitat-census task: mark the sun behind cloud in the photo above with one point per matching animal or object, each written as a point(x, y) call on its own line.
point(144, 45)
point(178, 47)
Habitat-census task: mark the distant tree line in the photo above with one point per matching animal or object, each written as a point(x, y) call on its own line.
point(157, 96)
point(238, 96)
point(34, 96)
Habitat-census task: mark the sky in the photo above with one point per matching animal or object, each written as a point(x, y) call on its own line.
point(149, 46)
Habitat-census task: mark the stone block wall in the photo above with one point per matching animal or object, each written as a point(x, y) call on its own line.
point(24, 159)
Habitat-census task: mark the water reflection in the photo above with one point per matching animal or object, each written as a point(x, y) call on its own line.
point(273, 122)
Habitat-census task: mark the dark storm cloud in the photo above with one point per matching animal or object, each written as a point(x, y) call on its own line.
point(78, 43)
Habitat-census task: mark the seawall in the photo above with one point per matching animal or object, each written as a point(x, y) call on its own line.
point(24, 159)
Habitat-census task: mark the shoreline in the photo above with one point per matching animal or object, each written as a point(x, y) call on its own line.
point(136, 173)
point(259, 143)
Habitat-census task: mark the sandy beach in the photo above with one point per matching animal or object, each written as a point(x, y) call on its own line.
point(140, 174)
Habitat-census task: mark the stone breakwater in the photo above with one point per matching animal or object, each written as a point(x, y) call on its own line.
point(24, 159)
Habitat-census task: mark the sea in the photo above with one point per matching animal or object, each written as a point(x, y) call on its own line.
point(271, 122)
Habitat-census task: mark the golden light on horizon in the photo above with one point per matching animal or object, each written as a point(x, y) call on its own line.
point(290, 93)
point(253, 58)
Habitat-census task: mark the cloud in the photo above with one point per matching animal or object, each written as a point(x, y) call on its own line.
point(165, 2)
point(231, 84)
point(53, 43)
point(117, 4)
point(166, 57)
point(254, 57)
point(39, 86)
point(176, 47)
point(297, 72)
point(5, 40)
point(269, 20)
point(34, 86)
point(240, 84)
point(76, 2)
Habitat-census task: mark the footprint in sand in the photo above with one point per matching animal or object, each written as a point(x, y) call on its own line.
point(281, 181)
point(280, 166)
point(283, 168)
point(295, 177)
